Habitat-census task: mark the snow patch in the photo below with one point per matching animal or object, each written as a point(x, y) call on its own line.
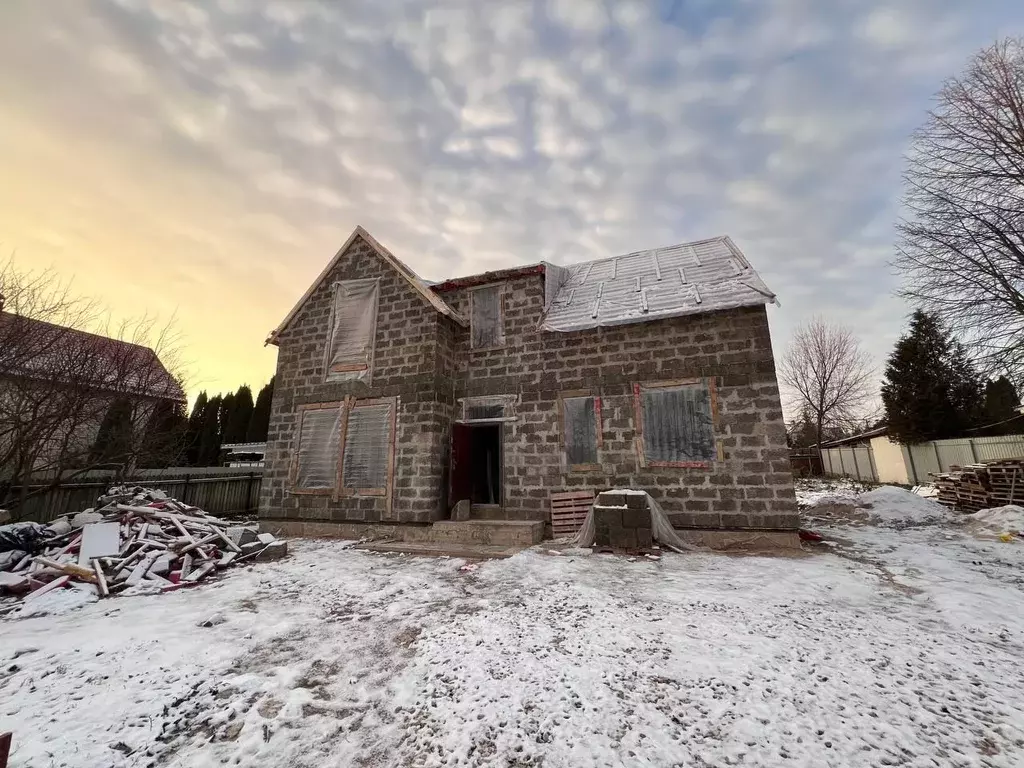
point(57, 601)
point(897, 505)
point(997, 520)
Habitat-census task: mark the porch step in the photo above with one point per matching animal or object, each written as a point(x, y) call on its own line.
point(508, 533)
point(498, 512)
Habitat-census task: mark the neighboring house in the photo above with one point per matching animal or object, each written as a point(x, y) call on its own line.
point(243, 454)
point(396, 399)
point(57, 385)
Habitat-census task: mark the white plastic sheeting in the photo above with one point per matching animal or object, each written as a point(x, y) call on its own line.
point(486, 320)
point(367, 447)
point(677, 423)
point(661, 527)
point(580, 425)
point(319, 444)
point(353, 329)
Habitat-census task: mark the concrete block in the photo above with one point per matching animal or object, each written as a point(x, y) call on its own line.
point(731, 520)
point(612, 499)
point(644, 538)
point(274, 551)
point(636, 501)
point(636, 518)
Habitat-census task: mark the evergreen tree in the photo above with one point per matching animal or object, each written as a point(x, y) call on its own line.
point(1001, 401)
point(164, 439)
point(238, 418)
point(209, 435)
point(114, 439)
point(195, 429)
point(259, 424)
point(931, 390)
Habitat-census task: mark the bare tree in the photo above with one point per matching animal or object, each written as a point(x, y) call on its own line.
point(829, 375)
point(64, 368)
point(961, 249)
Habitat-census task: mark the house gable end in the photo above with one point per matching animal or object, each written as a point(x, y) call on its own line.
point(387, 261)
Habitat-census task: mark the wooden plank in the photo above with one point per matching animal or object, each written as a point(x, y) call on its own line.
point(101, 579)
point(57, 583)
point(572, 495)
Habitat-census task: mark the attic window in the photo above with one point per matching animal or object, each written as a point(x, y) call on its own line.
point(349, 354)
point(486, 318)
point(677, 424)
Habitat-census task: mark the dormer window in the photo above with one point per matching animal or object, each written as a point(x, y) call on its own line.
point(353, 328)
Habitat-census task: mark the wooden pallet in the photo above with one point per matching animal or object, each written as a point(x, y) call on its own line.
point(568, 511)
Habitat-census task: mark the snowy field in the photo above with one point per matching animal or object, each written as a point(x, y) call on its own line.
point(899, 642)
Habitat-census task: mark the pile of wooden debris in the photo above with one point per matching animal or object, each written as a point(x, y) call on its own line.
point(982, 486)
point(134, 537)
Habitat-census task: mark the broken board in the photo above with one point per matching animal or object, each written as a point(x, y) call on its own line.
point(99, 540)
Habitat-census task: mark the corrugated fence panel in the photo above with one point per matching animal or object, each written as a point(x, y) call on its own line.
point(218, 490)
point(953, 453)
point(1008, 447)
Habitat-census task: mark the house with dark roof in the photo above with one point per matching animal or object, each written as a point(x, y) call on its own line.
point(400, 404)
point(57, 384)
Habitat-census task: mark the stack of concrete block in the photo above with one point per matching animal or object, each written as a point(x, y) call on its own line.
point(622, 520)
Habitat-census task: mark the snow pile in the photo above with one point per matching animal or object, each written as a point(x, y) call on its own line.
point(1006, 519)
point(819, 492)
point(890, 504)
point(56, 602)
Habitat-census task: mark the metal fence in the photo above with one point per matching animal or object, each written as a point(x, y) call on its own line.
point(923, 459)
point(218, 490)
point(856, 461)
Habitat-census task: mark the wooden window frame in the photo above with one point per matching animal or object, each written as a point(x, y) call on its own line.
point(598, 429)
point(293, 470)
point(501, 315)
point(638, 417)
point(329, 370)
point(389, 482)
point(339, 491)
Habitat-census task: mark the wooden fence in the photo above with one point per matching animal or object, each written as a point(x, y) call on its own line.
point(218, 490)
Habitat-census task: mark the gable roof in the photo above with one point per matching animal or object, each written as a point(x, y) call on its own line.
point(36, 349)
point(411, 277)
point(685, 279)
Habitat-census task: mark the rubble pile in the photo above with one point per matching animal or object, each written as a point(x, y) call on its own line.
point(134, 537)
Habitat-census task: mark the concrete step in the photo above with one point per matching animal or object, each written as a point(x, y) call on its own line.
point(508, 533)
point(497, 512)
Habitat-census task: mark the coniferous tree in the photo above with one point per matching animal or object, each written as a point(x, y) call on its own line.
point(931, 390)
point(194, 432)
point(238, 418)
point(114, 439)
point(163, 441)
point(1000, 409)
point(209, 436)
point(259, 424)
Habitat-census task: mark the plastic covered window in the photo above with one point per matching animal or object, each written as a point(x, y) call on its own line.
point(353, 328)
point(579, 417)
point(486, 326)
point(367, 447)
point(677, 424)
point(319, 442)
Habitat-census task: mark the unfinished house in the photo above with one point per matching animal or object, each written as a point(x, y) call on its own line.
point(469, 409)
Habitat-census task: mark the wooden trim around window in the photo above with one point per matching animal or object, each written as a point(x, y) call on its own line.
point(638, 390)
point(598, 429)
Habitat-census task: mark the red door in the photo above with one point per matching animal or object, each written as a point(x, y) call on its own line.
point(460, 478)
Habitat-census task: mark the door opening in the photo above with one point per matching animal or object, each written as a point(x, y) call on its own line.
point(476, 464)
point(485, 442)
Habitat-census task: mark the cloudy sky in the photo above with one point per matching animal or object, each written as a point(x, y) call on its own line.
point(209, 157)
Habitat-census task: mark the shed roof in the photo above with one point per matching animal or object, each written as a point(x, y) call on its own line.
point(684, 279)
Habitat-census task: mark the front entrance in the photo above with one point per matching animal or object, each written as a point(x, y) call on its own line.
point(476, 464)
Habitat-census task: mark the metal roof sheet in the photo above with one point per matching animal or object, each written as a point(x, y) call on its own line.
point(684, 279)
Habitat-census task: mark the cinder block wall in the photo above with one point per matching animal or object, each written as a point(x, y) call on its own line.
point(413, 360)
point(752, 486)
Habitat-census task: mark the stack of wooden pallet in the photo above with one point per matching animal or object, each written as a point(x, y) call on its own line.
point(982, 486)
point(1006, 481)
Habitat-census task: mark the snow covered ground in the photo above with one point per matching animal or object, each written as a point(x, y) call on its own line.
point(890, 646)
